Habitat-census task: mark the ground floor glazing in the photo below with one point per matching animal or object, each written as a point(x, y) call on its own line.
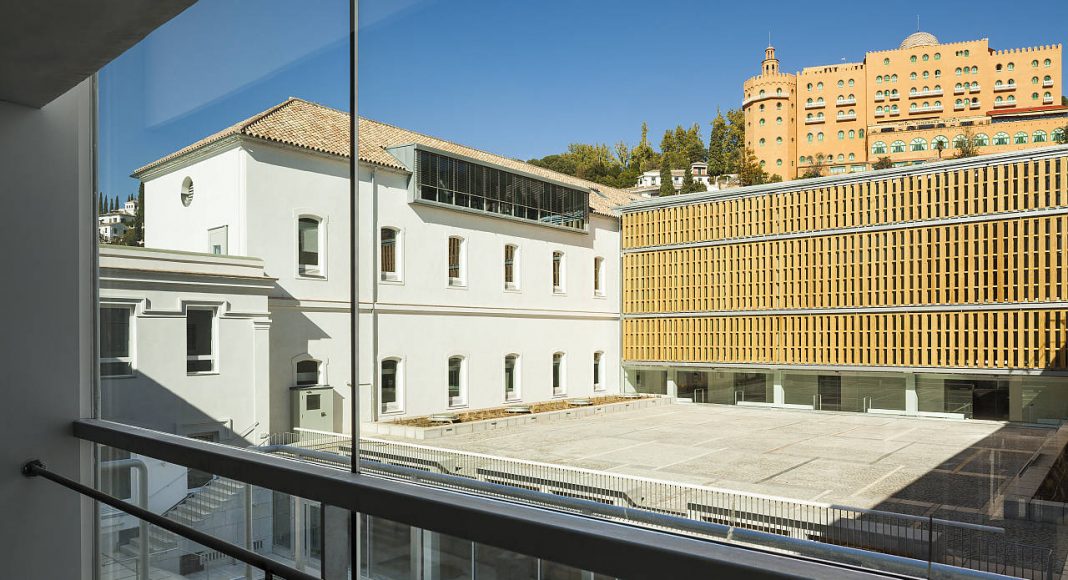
point(1030, 398)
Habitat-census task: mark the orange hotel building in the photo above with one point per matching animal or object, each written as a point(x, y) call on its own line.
point(905, 104)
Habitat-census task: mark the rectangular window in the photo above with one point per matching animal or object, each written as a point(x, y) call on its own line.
point(389, 253)
point(389, 385)
point(510, 267)
point(558, 272)
point(199, 340)
point(456, 378)
point(597, 385)
point(456, 261)
point(308, 247)
point(511, 380)
point(115, 360)
point(598, 276)
point(559, 388)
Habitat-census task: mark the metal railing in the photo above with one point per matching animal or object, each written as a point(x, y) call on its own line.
point(606, 546)
point(929, 539)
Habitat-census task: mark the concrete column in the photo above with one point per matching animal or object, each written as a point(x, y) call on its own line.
point(778, 394)
point(337, 547)
point(912, 401)
point(1016, 408)
point(672, 383)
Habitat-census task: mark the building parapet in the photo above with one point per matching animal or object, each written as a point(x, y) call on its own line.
point(958, 43)
point(1024, 50)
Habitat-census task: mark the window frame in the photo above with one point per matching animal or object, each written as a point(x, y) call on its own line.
point(397, 274)
point(558, 374)
point(599, 384)
point(600, 270)
point(461, 399)
point(302, 272)
point(517, 374)
point(318, 371)
point(460, 280)
point(558, 272)
point(130, 358)
point(397, 407)
point(213, 349)
point(513, 285)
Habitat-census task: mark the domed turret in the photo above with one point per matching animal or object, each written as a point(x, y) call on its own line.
point(918, 39)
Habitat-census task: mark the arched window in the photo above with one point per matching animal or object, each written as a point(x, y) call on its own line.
point(819, 116)
point(559, 374)
point(778, 140)
point(841, 114)
point(390, 386)
point(938, 104)
point(878, 94)
point(1047, 96)
point(761, 106)
point(918, 144)
point(959, 141)
point(998, 100)
point(841, 83)
point(912, 91)
point(926, 58)
point(998, 84)
point(819, 86)
point(1058, 135)
point(1011, 66)
point(762, 163)
point(879, 110)
point(912, 76)
point(1020, 138)
point(1038, 136)
point(308, 373)
point(457, 381)
point(1034, 80)
point(819, 101)
point(912, 58)
point(801, 159)
point(940, 142)
point(893, 78)
point(841, 135)
point(851, 82)
point(457, 261)
point(958, 103)
point(1001, 138)
point(957, 71)
point(809, 137)
point(893, 108)
point(761, 123)
point(819, 136)
point(926, 75)
point(841, 158)
point(897, 146)
point(809, 87)
point(761, 92)
point(186, 193)
point(1047, 79)
point(809, 101)
point(1034, 96)
point(778, 162)
point(975, 70)
point(779, 92)
point(511, 267)
point(998, 68)
point(886, 61)
point(559, 273)
point(778, 120)
point(1046, 63)
point(309, 246)
point(1034, 64)
point(938, 56)
point(1010, 99)
point(389, 256)
point(913, 107)
point(982, 140)
point(1011, 83)
point(958, 86)
point(852, 134)
point(778, 106)
point(879, 80)
point(852, 156)
point(512, 378)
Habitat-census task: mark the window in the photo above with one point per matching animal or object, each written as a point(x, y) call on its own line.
point(957, 71)
point(852, 156)
point(761, 142)
point(778, 120)
point(912, 58)
point(1038, 136)
point(841, 158)
point(809, 137)
point(841, 135)
point(938, 73)
point(879, 80)
point(819, 136)
point(1046, 63)
point(938, 56)
point(457, 264)
point(912, 76)
point(1034, 80)
point(115, 359)
point(1011, 66)
point(761, 122)
point(897, 146)
point(598, 371)
point(778, 92)
point(1047, 79)
point(390, 386)
point(511, 377)
point(457, 381)
point(1001, 138)
point(1034, 64)
point(187, 192)
point(217, 241)
point(598, 276)
point(559, 375)
point(511, 267)
point(778, 140)
point(1057, 135)
point(558, 272)
point(308, 373)
point(926, 58)
point(886, 61)
point(389, 253)
point(851, 83)
point(893, 78)
point(841, 83)
point(941, 142)
point(200, 340)
point(1020, 138)
point(778, 162)
point(309, 237)
point(809, 86)
point(981, 139)
point(878, 148)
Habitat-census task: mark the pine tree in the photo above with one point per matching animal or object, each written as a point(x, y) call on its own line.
point(643, 156)
point(100, 209)
point(749, 170)
point(717, 143)
point(734, 144)
point(667, 187)
point(688, 184)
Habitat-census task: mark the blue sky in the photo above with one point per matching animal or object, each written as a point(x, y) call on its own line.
point(518, 78)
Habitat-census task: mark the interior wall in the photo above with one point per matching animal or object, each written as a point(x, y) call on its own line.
point(46, 298)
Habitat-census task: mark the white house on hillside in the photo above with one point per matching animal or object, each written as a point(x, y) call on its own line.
point(484, 280)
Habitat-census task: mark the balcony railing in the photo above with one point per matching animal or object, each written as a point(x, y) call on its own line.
point(814, 120)
point(815, 105)
point(920, 110)
point(1002, 88)
point(894, 97)
point(846, 102)
point(879, 98)
point(847, 117)
point(1047, 84)
point(1004, 104)
point(975, 105)
point(1047, 100)
point(958, 90)
point(543, 525)
point(920, 94)
point(974, 88)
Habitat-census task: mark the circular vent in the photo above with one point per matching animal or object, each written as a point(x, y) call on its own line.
point(187, 192)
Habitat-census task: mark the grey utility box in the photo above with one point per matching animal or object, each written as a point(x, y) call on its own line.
point(313, 407)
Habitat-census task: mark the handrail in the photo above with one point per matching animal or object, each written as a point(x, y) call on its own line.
point(599, 545)
point(37, 469)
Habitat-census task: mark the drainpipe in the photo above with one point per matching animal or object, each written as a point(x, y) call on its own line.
point(375, 405)
point(142, 502)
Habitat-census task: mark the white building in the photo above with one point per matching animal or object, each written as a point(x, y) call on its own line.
point(112, 226)
point(697, 168)
point(472, 294)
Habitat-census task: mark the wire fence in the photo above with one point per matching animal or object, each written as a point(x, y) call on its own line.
point(925, 538)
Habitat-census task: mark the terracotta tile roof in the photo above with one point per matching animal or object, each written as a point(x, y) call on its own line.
point(312, 126)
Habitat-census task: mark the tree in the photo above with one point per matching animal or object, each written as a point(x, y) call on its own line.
point(883, 163)
point(135, 234)
point(643, 158)
point(667, 187)
point(940, 146)
point(814, 170)
point(1061, 137)
point(718, 161)
point(966, 146)
point(689, 185)
point(735, 141)
point(100, 208)
point(749, 170)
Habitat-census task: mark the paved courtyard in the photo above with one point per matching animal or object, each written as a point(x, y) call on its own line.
point(922, 466)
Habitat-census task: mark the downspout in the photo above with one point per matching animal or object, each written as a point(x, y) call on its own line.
point(621, 374)
point(142, 502)
point(375, 407)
